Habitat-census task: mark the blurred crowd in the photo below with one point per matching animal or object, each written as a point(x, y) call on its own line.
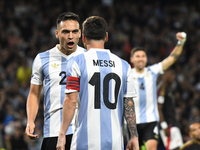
point(28, 27)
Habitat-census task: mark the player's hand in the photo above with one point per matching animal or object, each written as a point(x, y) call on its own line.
point(133, 144)
point(181, 36)
point(167, 133)
point(30, 130)
point(61, 142)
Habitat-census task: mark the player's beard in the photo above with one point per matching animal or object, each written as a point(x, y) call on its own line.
point(140, 68)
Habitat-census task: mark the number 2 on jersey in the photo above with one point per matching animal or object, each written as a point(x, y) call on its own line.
point(96, 81)
point(64, 76)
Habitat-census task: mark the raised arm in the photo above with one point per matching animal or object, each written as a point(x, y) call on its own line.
point(171, 59)
point(32, 107)
point(69, 107)
point(129, 112)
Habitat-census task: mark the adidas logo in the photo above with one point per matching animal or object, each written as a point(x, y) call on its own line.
point(55, 65)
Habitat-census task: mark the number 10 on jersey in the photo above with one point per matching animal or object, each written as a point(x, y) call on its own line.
point(96, 82)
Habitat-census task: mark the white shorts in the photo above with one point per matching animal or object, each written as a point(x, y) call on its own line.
point(175, 138)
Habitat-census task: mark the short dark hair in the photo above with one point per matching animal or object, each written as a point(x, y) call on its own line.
point(94, 28)
point(191, 123)
point(135, 49)
point(67, 16)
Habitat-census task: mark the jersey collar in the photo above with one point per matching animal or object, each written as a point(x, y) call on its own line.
point(69, 56)
point(142, 74)
point(98, 49)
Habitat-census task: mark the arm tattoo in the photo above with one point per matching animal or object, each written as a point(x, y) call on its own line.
point(176, 56)
point(129, 112)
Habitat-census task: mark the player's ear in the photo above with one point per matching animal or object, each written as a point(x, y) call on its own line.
point(79, 32)
point(106, 38)
point(131, 59)
point(83, 38)
point(56, 33)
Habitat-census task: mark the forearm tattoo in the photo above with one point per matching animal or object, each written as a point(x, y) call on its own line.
point(176, 56)
point(129, 112)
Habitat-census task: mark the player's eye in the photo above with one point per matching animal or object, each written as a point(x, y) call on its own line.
point(75, 31)
point(65, 31)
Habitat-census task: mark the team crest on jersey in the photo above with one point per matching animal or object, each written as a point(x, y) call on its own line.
point(55, 65)
point(148, 75)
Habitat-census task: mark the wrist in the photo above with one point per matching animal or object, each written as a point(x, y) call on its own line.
point(61, 134)
point(164, 125)
point(182, 42)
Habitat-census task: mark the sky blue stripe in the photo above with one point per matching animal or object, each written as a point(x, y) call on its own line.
point(154, 95)
point(142, 95)
point(82, 136)
point(45, 68)
point(105, 113)
point(64, 62)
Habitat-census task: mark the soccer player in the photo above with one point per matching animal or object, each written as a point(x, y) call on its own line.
point(169, 131)
point(49, 71)
point(145, 83)
point(106, 92)
point(194, 132)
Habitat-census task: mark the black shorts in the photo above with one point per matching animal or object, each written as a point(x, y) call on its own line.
point(146, 131)
point(51, 142)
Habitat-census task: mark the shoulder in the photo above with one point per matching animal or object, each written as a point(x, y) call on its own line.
point(187, 145)
point(81, 49)
point(154, 65)
point(156, 68)
point(77, 58)
point(46, 53)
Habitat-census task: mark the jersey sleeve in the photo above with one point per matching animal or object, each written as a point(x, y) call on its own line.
point(73, 75)
point(36, 77)
point(131, 92)
point(157, 68)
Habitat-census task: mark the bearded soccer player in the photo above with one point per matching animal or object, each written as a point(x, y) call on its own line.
point(145, 84)
point(49, 71)
point(105, 86)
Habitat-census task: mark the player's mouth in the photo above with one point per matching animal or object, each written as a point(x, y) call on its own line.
point(70, 44)
point(141, 63)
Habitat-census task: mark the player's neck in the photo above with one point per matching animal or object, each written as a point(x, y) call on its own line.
point(140, 71)
point(95, 44)
point(64, 51)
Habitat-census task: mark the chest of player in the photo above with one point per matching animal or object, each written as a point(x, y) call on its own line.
point(147, 81)
point(54, 71)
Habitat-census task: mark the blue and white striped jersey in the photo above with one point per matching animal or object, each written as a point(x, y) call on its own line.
point(105, 79)
point(49, 70)
point(146, 102)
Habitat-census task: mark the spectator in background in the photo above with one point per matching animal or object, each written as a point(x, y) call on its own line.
point(194, 133)
point(23, 71)
point(18, 139)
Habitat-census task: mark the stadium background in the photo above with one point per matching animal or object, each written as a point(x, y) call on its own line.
point(27, 27)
